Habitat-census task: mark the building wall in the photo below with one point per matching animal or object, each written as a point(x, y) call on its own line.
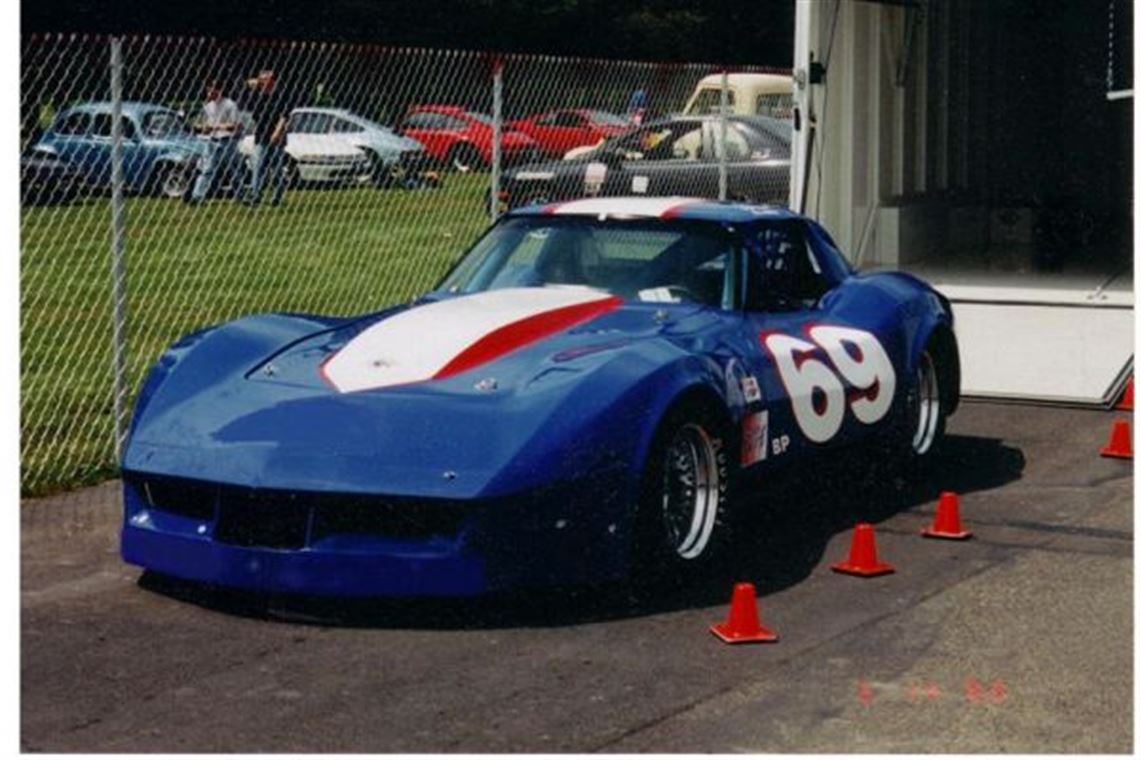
point(952, 127)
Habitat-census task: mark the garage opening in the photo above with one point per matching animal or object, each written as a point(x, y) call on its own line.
point(986, 147)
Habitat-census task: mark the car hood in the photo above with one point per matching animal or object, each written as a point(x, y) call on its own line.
point(455, 397)
point(390, 141)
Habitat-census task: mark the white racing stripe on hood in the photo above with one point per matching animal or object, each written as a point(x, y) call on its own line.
point(416, 344)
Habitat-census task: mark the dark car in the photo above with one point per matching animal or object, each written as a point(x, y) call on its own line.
point(673, 156)
point(47, 179)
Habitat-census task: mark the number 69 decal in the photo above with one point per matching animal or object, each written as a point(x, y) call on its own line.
point(814, 389)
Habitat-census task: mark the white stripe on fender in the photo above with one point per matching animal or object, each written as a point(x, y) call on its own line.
point(421, 343)
point(652, 207)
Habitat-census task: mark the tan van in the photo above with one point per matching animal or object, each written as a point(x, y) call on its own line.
point(763, 94)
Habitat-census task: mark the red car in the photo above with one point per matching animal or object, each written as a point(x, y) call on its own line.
point(462, 138)
point(565, 129)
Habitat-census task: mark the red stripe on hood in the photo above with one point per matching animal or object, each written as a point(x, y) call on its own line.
point(524, 332)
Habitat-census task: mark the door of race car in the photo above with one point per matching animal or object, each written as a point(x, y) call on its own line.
point(824, 378)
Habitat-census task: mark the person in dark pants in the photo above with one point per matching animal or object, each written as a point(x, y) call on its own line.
point(270, 111)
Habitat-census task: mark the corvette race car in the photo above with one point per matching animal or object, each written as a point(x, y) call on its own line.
point(584, 392)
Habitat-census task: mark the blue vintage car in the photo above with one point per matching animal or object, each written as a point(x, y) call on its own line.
point(590, 389)
point(160, 153)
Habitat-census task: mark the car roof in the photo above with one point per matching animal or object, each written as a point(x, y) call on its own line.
point(675, 207)
point(330, 111)
point(129, 106)
point(746, 78)
point(437, 108)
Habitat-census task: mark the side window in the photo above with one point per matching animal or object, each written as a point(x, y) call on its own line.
point(547, 120)
point(568, 119)
point(782, 272)
point(301, 123)
point(101, 125)
point(74, 123)
point(451, 122)
point(708, 101)
point(344, 126)
point(777, 104)
point(675, 140)
point(421, 120)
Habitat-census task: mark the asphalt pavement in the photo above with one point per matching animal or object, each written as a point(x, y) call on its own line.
point(1019, 640)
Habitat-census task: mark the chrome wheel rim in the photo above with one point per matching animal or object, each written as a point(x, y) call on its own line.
point(691, 491)
point(174, 183)
point(928, 406)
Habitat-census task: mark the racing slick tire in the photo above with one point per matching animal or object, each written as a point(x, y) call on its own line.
point(683, 521)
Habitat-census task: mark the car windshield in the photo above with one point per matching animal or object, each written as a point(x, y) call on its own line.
point(164, 124)
point(607, 118)
point(669, 261)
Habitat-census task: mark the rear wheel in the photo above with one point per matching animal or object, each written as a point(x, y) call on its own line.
point(171, 180)
point(923, 423)
point(683, 513)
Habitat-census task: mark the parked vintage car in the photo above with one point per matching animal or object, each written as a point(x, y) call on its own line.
point(558, 131)
point(160, 153)
point(337, 145)
point(590, 390)
point(748, 93)
point(675, 156)
point(461, 138)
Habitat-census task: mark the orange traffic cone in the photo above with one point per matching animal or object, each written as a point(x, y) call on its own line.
point(863, 560)
point(1125, 403)
point(743, 622)
point(947, 524)
point(1119, 441)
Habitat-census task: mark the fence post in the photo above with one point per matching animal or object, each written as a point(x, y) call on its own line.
point(118, 241)
point(722, 162)
point(496, 132)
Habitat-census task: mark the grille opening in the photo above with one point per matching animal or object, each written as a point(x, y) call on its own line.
point(188, 498)
point(247, 518)
point(387, 518)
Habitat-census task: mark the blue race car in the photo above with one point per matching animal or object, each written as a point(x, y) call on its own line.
point(584, 393)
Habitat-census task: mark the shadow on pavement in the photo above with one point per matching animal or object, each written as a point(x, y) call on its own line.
point(785, 526)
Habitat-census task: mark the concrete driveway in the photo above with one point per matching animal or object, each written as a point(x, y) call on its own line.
point(1019, 640)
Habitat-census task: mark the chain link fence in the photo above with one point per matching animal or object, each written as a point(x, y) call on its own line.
point(138, 229)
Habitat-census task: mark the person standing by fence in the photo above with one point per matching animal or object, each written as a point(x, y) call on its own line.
point(270, 110)
point(218, 122)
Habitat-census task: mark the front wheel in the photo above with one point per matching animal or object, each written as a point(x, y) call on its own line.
point(684, 510)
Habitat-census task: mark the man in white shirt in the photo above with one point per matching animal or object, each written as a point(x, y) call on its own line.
point(219, 116)
point(219, 122)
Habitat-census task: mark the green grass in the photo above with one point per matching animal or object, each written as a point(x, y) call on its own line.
point(325, 251)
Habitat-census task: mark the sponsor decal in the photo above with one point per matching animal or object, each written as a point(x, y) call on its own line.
point(754, 438)
point(594, 177)
point(750, 388)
